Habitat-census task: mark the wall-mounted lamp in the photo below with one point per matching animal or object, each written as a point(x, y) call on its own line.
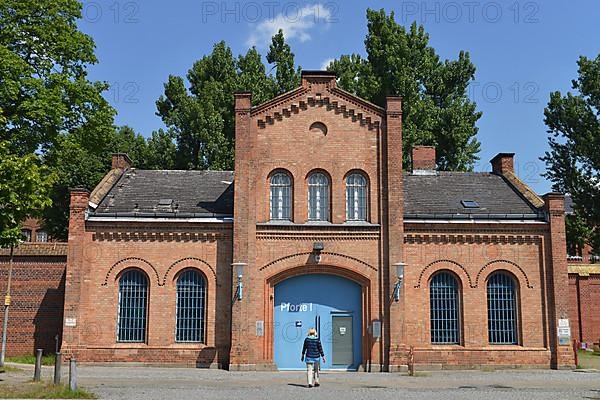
point(399, 279)
point(238, 269)
point(317, 248)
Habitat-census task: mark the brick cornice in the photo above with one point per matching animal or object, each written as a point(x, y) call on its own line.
point(318, 232)
point(471, 239)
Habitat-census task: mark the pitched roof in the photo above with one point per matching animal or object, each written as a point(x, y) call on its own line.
point(210, 193)
point(170, 193)
point(440, 195)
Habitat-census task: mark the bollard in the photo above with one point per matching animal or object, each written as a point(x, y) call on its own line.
point(72, 374)
point(37, 374)
point(57, 367)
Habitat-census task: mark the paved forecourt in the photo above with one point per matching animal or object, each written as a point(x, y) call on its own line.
point(179, 383)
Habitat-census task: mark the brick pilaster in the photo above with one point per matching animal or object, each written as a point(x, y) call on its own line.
point(244, 228)
point(74, 274)
point(393, 231)
point(558, 285)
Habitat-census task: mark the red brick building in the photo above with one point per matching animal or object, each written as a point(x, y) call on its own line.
point(319, 225)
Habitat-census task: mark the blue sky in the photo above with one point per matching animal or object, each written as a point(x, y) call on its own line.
point(523, 50)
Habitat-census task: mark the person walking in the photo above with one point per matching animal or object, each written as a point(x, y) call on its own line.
point(311, 352)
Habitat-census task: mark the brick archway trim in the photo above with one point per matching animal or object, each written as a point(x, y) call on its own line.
point(329, 269)
point(192, 261)
point(418, 285)
point(344, 257)
point(529, 285)
point(133, 261)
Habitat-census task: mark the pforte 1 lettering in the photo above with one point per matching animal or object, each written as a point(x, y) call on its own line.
point(301, 307)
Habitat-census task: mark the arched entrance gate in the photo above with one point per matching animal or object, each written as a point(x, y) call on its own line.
point(330, 303)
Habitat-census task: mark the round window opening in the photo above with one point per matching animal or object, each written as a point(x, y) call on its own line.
point(318, 127)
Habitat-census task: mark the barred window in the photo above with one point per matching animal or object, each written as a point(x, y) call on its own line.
point(133, 294)
point(502, 309)
point(191, 290)
point(318, 197)
point(26, 235)
point(41, 236)
point(281, 196)
point(356, 197)
point(444, 303)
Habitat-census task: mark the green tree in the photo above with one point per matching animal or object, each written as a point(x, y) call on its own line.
point(24, 191)
point(161, 150)
point(43, 79)
point(201, 117)
point(436, 109)
point(75, 165)
point(573, 162)
point(287, 77)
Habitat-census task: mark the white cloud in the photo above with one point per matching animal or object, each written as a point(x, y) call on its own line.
point(297, 24)
point(326, 63)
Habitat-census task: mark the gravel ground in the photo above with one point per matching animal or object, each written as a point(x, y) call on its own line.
point(178, 383)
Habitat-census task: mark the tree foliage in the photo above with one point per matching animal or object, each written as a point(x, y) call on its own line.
point(436, 109)
point(201, 116)
point(573, 162)
point(24, 191)
point(44, 90)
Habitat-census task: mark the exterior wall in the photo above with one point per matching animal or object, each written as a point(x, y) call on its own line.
point(37, 297)
point(278, 136)
point(101, 252)
point(472, 254)
point(584, 298)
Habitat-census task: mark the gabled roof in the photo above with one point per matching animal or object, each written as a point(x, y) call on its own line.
point(318, 89)
point(170, 193)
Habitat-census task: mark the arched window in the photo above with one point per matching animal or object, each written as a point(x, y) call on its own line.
point(281, 196)
point(133, 295)
point(356, 197)
point(318, 197)
point(41, 236)
point(191, 291)
point(502, 309)
point(26, 233)
point(445, 308)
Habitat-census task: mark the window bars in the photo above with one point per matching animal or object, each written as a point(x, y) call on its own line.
point(191, 290)
point(318, 197)
point(444, 305)
point(133, 294)
point(280, 197)
point(356, 197)
point(502, 309)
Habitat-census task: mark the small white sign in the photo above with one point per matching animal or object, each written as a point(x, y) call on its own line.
point(342, 330)
point(260, 328)
point(564, 331)
point(71, 322)
point(563, 323)
point(376, 330)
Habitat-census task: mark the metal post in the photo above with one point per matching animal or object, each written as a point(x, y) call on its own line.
point(37, 374)
point(72, 374)
point(6, 304)
point(57, 368)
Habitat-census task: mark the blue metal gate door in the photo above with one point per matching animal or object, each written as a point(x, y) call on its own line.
point(314, 300)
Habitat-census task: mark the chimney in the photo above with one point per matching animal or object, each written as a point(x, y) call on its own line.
point(121, 161)
point(503, 163)
point(423, 160)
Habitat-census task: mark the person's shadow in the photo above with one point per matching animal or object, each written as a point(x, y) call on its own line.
point(297, 385)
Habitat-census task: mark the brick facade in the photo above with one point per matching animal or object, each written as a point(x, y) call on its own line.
point(318, 127)
point(37, 293)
